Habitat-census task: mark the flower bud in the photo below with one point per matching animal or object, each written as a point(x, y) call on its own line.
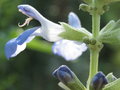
point(93, 41)
point(84, 7)
point(64, 74)
point(86, 40)
point(68, 78)
point(98, 81)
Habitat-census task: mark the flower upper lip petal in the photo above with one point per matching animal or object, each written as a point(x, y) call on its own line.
point(23, 10)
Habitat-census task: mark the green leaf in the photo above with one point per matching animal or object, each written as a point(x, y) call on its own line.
point(72, 33)
point(110, 77)
point(110, 34)
point(115, 85)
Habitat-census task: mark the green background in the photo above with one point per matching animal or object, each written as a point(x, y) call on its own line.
point(32, 69)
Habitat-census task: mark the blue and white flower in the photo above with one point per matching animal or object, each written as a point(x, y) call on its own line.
point(50, 31)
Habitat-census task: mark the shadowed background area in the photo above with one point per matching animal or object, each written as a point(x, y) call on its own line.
point(32, 69)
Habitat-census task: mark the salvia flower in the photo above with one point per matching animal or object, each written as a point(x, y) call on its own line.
point(98, 81)
point(50, 31)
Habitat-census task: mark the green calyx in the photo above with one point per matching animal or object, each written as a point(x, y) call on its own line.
point(115, 85)
point(72, 33)
point(74, 84)
point(110, 34)
point(99, 7)
point(110, 77)
point(88, 1)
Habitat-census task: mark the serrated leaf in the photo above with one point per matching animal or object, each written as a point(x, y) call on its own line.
point(72, 33)
point(115, 85)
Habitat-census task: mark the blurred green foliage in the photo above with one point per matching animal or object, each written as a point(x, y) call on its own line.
point(31, 69)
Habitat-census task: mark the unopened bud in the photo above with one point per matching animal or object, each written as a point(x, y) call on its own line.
point(93, 41)
point(98, 81)
point(64, 74)
point(86, 40)
point(84, 7)
point(68, 78)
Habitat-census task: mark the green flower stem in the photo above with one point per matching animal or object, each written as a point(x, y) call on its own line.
point(94, 55)
point(94, 52)
point(95, 24)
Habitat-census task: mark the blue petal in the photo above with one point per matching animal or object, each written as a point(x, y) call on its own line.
point(10, 48)
point(25, 35)
point(15, 46)
point(73, 20)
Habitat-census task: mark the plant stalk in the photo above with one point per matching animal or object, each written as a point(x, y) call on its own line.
point(95, 24)
point(94, 52)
